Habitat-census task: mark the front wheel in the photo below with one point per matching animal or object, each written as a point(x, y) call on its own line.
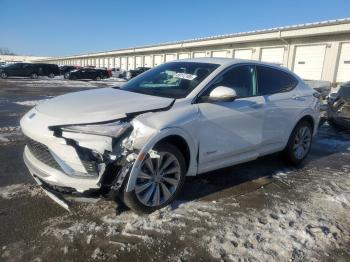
point(159, 180)
point(3, 75)
point(51, 75)
point(299, 143)
point(34, 76)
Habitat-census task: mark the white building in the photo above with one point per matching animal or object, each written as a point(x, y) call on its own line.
point(315, 51)
point(20, 58)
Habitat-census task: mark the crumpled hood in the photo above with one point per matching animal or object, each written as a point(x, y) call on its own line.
point(98, 105)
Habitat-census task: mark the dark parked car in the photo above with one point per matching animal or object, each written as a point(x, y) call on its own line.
point(135, 72)
point(29, 70)
point(88, 73)
point(338, 113)
point(66, 69)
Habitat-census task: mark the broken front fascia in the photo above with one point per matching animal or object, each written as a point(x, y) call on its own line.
point(100, 153)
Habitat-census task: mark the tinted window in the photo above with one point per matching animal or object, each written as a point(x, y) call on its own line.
point(174, 80)
point(241, 79)
point(273, 81)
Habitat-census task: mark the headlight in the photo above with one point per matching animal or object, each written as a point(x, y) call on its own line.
point(112, 129)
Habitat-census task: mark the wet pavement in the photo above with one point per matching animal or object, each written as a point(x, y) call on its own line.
point(263, 210)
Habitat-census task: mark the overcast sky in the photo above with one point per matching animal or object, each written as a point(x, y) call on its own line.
point(63, 27)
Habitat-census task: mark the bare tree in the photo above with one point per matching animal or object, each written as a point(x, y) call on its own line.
point(5, 51)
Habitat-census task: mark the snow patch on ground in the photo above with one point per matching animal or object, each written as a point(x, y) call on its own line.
point(305, 229)
point(20, 190)
point(30, 102)
point(10, 134)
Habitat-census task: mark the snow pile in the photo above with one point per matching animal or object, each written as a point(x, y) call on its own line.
point(10, 134)
point(12, 191)
point(20, 190)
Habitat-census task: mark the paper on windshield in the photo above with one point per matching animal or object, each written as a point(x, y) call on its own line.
point(185, 76)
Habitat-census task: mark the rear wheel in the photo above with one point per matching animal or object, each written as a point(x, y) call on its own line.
point(299, 143)
point(159, 181)
point(98, 78)
point(3, 75)
point(34, 76)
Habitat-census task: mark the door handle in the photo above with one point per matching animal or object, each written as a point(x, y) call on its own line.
point(256, 105)
point(298, 98)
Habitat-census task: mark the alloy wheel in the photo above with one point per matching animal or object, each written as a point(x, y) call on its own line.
point(158, 179)
point(302, 142)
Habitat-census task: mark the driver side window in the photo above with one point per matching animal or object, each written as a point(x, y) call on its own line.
point(241, 78)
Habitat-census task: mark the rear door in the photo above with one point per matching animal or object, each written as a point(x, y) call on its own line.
point(282, 105)
point(27, 70)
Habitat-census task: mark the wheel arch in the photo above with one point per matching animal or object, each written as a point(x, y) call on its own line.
point(181, 144)
point(173, 135)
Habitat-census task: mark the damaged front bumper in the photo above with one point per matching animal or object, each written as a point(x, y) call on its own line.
point(50, 181)
point(60, 184)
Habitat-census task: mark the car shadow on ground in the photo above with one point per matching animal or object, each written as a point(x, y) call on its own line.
point(244, 178)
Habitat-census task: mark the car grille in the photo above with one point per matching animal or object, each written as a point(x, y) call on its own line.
point(42, 153)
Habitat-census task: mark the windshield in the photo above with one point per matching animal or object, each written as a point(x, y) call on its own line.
point(173, 80)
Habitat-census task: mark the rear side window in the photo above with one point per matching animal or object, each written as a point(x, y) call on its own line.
point(272, 81)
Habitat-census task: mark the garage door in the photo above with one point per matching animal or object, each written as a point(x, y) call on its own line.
point(343, 74)
point(123, 63)
point(308, 63)
point(170, 57)
point(117, 62)
point(138, 61)
point(111, 62)
point(131, 62)
point(184, 55)
point(272, 55)
point(158, 59)
point(221, 53)
point(199, 54)
point(147, 61)
point(243, 54)
point(106, 63)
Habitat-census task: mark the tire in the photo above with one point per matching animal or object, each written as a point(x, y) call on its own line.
point(51, 75)
point(299, 143)
point(34, 76)
point(4, 75)
point(66, 76)
point(133, 200)
point(98, 78)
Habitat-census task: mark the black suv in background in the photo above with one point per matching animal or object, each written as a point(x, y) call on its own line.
point(88, 73)
point(29, 70)
point(135, 72)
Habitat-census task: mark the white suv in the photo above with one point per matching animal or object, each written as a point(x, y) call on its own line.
point(183, 118)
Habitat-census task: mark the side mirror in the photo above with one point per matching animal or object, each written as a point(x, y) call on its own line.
point(223, 94)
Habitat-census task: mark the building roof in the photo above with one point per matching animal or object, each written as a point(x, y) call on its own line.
point(225, 36)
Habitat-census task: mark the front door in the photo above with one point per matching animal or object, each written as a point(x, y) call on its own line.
point(230, 132)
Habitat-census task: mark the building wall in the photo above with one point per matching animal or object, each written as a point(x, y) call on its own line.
point(279, 46)
point(17, 58)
